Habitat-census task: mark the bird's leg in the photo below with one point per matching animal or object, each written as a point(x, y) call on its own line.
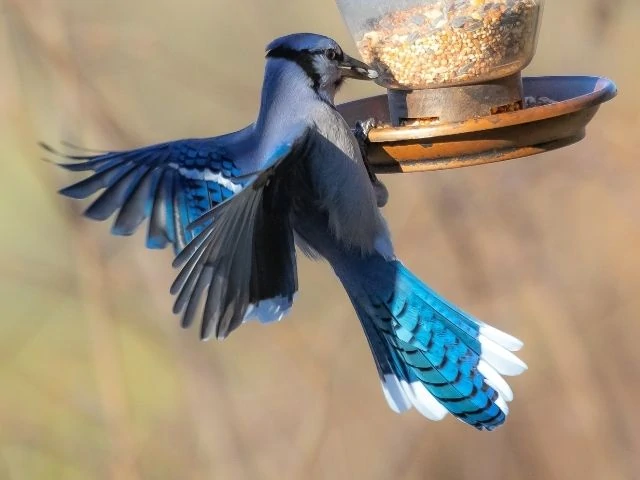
point(361, 132)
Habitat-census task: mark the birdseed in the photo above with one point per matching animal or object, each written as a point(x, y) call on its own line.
point(448, 43)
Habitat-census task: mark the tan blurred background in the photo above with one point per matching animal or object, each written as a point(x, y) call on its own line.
point(99, 382)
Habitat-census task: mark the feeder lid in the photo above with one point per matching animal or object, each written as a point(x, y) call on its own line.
point(561, 109)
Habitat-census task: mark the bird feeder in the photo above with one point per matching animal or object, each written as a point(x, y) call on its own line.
point(455, 93)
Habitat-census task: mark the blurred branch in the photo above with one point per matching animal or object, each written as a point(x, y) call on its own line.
point(54, 398)
point(604, 15)
point(51, 43)
point(451, 212)
point(311, 456)
point(37, 275)
point(45, 28)
point(225, 440)
point(106, 358)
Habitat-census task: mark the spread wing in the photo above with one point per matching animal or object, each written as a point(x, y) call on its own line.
point(243, 260)
point(172, 184)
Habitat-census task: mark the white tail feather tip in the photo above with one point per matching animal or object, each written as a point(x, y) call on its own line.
point(426, 403)
point(502, 405)
point(500, 358)
point(395, 394)
point(401, 396)
point(495, 381)
point(501, 338)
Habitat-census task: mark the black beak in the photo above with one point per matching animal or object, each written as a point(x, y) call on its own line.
point(352, 68)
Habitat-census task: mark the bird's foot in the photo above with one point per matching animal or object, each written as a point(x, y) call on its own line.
point(362, 129)
point(361, 132)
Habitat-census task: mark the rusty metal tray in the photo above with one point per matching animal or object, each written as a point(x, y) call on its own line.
point(493, 138)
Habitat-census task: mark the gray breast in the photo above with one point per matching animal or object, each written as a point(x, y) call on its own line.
point(341, 184)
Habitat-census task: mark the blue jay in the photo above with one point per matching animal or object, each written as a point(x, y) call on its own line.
point(235, 206)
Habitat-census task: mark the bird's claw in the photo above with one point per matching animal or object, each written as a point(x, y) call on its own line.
point(363, 127)
point(361, 132)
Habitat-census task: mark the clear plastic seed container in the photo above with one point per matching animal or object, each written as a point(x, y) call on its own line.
point(417, 44)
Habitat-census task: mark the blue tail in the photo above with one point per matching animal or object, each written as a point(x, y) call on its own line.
point(430, 354)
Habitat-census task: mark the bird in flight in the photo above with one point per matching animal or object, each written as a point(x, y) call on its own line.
point(234, 208)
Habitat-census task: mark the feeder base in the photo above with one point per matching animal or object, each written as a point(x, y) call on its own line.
point(490, 138)
point(455, 104)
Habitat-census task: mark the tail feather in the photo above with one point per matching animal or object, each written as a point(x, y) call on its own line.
point(401, 388)
point(429, 354)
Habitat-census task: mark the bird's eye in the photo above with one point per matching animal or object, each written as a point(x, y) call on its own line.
point(331, 54)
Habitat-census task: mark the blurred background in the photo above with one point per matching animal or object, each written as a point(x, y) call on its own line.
point(99, 382)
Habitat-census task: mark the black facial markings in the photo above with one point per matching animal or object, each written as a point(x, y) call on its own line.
point(304, 58)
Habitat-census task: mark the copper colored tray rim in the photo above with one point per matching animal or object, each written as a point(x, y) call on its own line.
point(606, 91)
point(488, 139)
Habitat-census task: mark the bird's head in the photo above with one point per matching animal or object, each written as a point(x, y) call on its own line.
point(321, 59)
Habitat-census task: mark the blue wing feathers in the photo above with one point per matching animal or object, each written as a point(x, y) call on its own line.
point(102, 179)
point(116, 194)
point(138, 204)
point(172, 184)
point(160, 230)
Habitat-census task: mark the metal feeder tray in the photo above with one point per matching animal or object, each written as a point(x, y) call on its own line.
point(486, 139)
